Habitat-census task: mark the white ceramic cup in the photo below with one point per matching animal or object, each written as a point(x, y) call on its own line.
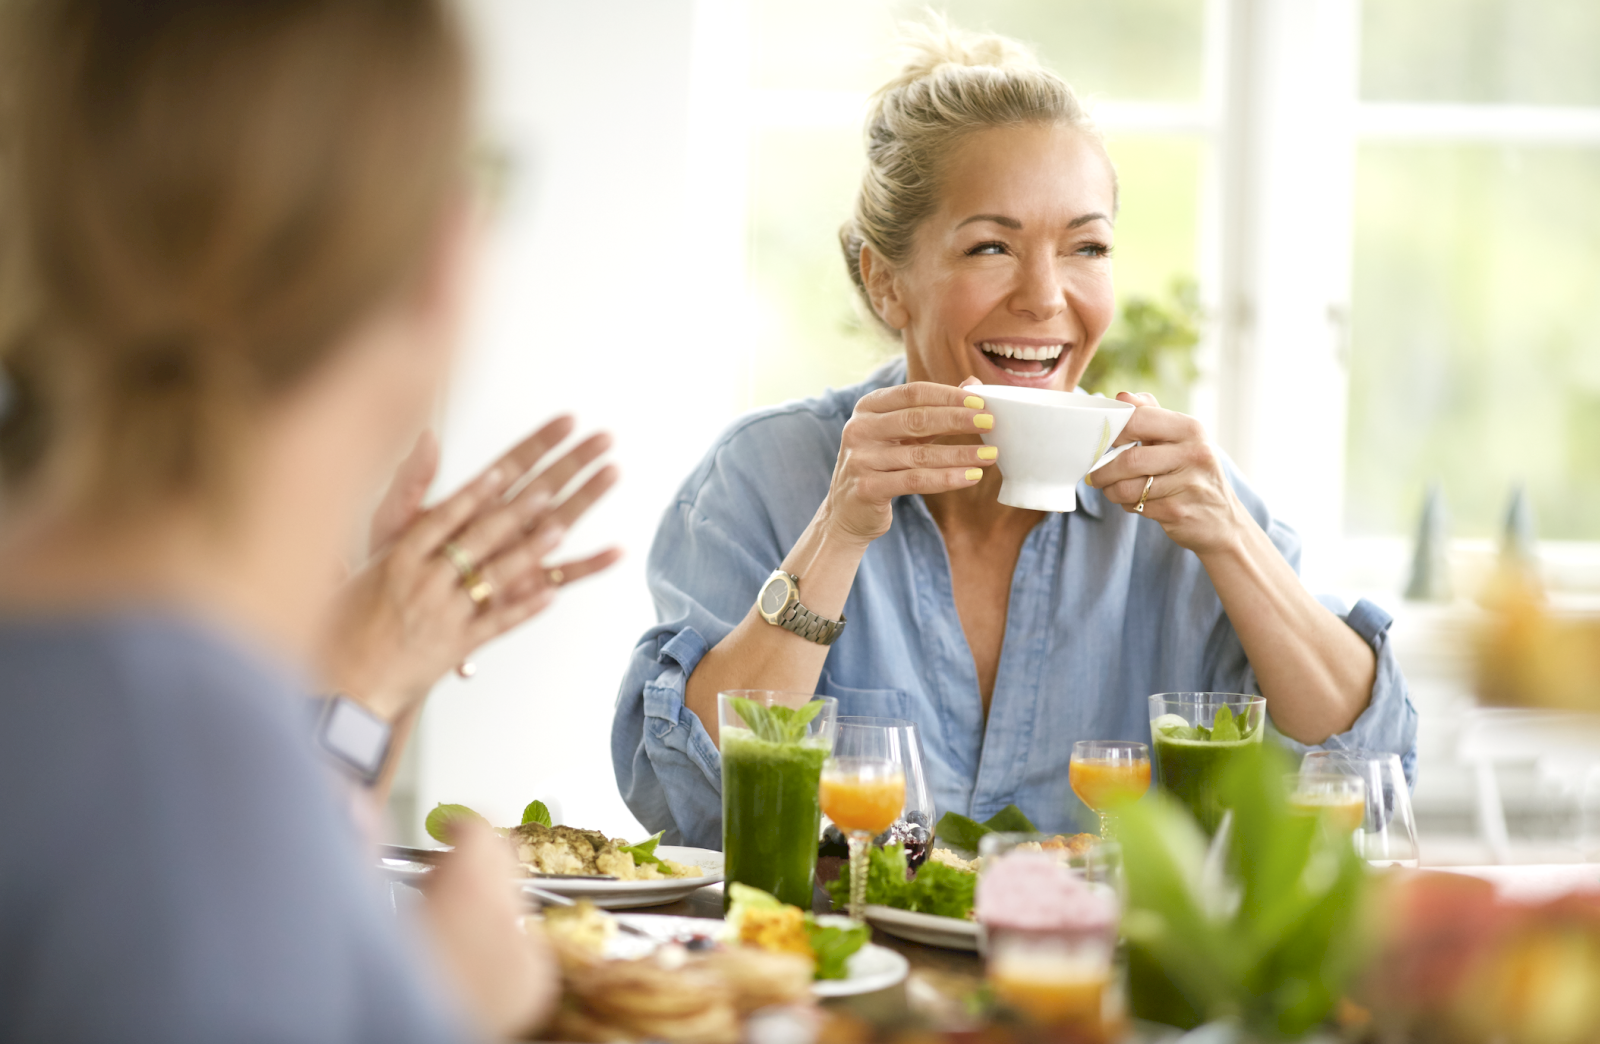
point(1049, 440)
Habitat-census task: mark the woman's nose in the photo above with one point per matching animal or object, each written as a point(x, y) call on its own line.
point(1040, 294)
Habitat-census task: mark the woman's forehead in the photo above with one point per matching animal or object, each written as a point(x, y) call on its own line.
point(1033, 175)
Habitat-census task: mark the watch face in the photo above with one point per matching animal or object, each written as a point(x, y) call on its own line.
point(774, 595)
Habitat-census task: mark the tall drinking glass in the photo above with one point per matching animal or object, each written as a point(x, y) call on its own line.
point(863, 790)
point(773, 746)
point(914, 829)
point(1337, 798)
point(1196, 736)
point(1388, 834)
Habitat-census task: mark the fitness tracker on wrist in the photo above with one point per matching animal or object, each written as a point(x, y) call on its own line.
point(356, 739)
point(779, 604)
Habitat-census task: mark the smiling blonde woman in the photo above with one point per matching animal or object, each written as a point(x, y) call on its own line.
point(865, 527)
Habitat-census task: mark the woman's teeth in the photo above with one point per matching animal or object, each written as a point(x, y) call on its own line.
point(1045, 356)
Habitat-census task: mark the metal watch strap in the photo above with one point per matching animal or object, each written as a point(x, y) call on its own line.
point(809, 625)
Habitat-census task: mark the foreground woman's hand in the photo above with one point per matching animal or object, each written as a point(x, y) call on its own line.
point(406, 618)
point(888, 450)
point(504, 976)
point(1189, 492)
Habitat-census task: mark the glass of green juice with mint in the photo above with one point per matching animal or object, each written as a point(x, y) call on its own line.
point(773, 746)
point(1195, 736)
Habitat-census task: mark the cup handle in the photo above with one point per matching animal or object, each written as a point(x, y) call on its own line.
point(1110, 455)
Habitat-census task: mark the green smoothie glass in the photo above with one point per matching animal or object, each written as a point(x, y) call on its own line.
point(1195, 736)
point(773, 746)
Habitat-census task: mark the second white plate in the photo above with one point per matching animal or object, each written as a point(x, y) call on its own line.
point(948, 932)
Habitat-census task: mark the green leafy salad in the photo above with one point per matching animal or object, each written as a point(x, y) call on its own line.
point(937, 889)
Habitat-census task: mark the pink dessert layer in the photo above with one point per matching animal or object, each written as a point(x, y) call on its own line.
point(1035, 891)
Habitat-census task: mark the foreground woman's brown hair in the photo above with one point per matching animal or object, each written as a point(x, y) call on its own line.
point(234, 236)
point(201, 198)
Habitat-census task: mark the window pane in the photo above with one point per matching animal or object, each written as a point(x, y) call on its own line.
point(1536, 52)
point(1131, 49)
point(1476, 337)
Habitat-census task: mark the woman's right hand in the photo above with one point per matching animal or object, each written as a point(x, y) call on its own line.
point(899, 441)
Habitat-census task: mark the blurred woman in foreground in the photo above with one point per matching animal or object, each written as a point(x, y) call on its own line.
point(235, 251)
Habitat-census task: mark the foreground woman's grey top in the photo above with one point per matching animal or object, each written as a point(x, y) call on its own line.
point(1105, 610)
point(176, 867)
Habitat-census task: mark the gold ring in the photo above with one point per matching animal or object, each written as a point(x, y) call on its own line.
point(1147, 484)
point(557, 577)
point(466, 568)
point(479, 590)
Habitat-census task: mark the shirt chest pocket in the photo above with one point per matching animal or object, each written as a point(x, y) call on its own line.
point(874, 703)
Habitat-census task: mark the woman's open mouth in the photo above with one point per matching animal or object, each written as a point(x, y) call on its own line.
point(1031, 362)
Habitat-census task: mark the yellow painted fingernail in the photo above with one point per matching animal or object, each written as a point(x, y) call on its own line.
point(984, 421)
point(974, 474)
point(973, 403)
point(988, 452)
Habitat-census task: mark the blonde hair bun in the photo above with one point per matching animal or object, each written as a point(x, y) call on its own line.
point(953, 83)
point(931, 45)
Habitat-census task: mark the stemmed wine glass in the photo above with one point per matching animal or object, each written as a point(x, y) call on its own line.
point(1108, 775)
point(913, 831)
point(863, 790)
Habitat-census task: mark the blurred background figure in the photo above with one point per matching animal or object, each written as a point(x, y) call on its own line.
point(236, 257)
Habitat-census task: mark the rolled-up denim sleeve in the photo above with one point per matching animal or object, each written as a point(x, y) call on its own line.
point(1389, 723)
point(668, 770)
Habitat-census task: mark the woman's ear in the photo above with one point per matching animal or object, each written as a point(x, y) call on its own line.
point(883, 289)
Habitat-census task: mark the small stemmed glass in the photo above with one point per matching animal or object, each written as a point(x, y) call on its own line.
point(863, 790)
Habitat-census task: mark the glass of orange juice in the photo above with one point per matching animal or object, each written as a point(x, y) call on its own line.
point(1108, 775)
point(863, 790)
point(1340, 799)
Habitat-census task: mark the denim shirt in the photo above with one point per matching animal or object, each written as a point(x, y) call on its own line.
point(1105, 610)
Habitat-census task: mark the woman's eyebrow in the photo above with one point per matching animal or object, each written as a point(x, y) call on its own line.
point(1016, 226)
point(998, 219)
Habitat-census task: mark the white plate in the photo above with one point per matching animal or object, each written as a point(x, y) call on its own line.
point(624, 895)
point(610, 895)
point(931, 930)
point(869, 969)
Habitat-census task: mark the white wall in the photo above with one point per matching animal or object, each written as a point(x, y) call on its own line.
point(612, 289)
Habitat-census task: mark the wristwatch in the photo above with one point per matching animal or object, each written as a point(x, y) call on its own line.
point(779, 603)
point(354, 737)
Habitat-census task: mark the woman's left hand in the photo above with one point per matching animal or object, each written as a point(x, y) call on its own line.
point(1178, 477)
point(406, 618)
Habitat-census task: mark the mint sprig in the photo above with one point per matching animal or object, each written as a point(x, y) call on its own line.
point(645, 851)
point(777, 724)
point(537, 812)
point(441, 822)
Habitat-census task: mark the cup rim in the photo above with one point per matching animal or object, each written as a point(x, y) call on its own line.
point(1050, 397)
point(1208, 699)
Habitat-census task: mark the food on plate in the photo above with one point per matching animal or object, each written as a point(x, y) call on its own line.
point(948, 858)
point(570, 851)
point(961, 832)
point(543, 848)
point(759, 919)
point(1034, 891)
point(938, 887)
point(670, 995)
point(582, 926)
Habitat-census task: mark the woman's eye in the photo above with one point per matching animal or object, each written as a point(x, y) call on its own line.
point(1094, 250)
point(987, 248)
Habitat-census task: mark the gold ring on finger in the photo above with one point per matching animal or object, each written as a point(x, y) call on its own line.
point(1147, 484)
point(458, 557)
point(479, 590)
point(557, 577)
